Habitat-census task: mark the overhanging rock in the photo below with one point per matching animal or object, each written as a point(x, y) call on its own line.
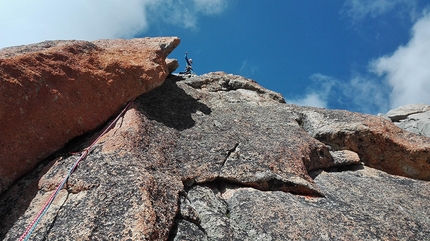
point(53, 91)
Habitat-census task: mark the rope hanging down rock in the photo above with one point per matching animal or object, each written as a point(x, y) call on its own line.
point(26, 235)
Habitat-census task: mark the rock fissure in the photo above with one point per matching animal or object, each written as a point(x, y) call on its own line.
point(193, 221)
point(52, 223)
point(229, 153)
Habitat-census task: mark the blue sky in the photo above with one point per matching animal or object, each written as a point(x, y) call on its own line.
point(361, 55)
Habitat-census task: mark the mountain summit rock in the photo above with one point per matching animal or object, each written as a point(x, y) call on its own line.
point(219, 157)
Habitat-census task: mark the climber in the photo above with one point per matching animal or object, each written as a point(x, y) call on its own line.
point(188, 67)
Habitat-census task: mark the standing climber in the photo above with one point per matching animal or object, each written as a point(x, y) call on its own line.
point(188, 68)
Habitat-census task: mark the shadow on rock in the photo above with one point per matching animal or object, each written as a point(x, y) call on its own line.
point(344, 168)
point(171, 105)
point(15, 201)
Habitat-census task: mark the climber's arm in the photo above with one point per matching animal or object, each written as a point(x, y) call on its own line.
point(186, 58)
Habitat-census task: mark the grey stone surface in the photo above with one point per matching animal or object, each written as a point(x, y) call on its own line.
point(416, 123)
point(403, 112)
point(377, 141)
point(414, 118)
point(354, 209)
point(107, 198)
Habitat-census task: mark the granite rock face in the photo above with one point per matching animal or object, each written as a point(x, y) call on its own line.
point(53, 91)
point(354, 208)
point(218, 157)
point(414, 118)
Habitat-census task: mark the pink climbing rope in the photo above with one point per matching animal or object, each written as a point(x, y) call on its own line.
point(26, 235)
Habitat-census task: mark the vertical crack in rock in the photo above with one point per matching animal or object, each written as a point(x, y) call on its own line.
point(229, 153)
point(52, 224)
point(187, 219)
point(190, 214)
point(212, 211)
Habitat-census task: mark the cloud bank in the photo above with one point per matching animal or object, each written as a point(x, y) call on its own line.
point(400, 78)
point(27, 21)
point(407, 70)
point(319, 93)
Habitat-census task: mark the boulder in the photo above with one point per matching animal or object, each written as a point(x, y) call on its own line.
point(219, 157)
point(377, 141)
point(53, 91)
point(414, 118)
point(403, 112)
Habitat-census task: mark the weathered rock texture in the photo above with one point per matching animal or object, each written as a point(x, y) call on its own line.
point(53, 91)
point(378, 142)
point(354, 208)
point(414, 118)
point(218, 157)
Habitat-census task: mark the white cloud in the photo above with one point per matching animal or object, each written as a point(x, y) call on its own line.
point(366, 94)
point(23, 22)
point(317, 95)
point(391, 81)
point(248, 68)
point(407, 70)
point(210, 6)
point(177, 12)
point(357, 10)
point(28, 21)
point(361, 93)
point(184, 13)
point(311, 99)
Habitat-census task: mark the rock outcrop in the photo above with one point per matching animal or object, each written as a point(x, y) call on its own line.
point(414, 118)
point(53, 91)
point(218, 157)
point(378, 142)
point(361, 203)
